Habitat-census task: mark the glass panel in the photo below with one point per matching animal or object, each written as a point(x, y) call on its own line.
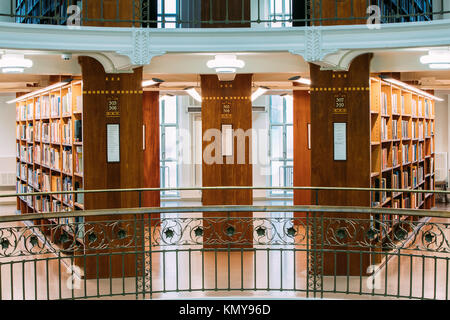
point(276, 141)
point(170, 6)
point(170, 143)
point(170, 25)
point(289, 109)
point(289, 142)
point(160, 8)
point(276, 109)
point(171, 175)
point(161, 143)
point(277, 175)
point(170, 110)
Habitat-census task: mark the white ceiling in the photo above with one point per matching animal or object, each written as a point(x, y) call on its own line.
point(272, 69)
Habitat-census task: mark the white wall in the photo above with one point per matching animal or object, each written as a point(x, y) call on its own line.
point(7, 134)
point(441, 122)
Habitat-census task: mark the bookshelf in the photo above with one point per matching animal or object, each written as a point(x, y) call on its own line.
point(49, 155)
point(402, 148)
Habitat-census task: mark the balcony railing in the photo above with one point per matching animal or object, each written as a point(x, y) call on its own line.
point(297, 251)
point(220, 13)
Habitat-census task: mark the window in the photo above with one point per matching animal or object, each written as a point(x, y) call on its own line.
point(169, 145)
point(168, 13)
point(281, 144)
point(280, 10)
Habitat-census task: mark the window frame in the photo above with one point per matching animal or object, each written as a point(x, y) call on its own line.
point(286, 161)
point(163, 160)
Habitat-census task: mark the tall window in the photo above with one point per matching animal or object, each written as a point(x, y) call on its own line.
point(169, 144)
point(280, 10)
point(281, 144)
point(167, 13)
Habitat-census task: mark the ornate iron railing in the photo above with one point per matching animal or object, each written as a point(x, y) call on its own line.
point(299, 251)
point(189, 13)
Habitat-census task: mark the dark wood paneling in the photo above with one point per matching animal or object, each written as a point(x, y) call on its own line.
point(121, 10)
point(151, 174)
point(338, 9)
point(237, 93)
point(98, 174)
point(302, 154)
point(355, 171)
point(221, 10)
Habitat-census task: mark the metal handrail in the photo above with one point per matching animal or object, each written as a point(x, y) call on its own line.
point(315, 17)
point(224, 188)
point(229, 208)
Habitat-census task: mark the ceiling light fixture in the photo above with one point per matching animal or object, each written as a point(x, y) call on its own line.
point(193, 93)
point(259, 92)
point(437, 59)
point(34, 93)
point(407, 86)
point(225, 66)
point(14, 63)
point(152, 82)
point(300, 80)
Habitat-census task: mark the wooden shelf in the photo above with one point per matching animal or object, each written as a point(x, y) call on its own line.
point(383, 95)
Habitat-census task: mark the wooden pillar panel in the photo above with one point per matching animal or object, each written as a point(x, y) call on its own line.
point(302, 152)
point(151, 169)
point(220, 10)
point(119, 10)
point(338, 10)
point(98, 89)
point(235, 170)
point(355, 171)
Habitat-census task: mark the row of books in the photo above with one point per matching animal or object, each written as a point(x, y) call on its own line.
point(405, 134)
point(405, 153)
point(417, 176)
point(394, 130)
point(21, 132)
point(67, 103)
point(405, 180)
point(55, 105)
point(384, 129)
point(384, 158)
point(384, 104)
point(49, 156)
point(67, 186)
point(67, 133)
point(67, 160)
point(79, 160)
point(417, 152)
point(395, 156)
point(428, 109)
point(394, 103)
point(55, 131)
point(51, 130)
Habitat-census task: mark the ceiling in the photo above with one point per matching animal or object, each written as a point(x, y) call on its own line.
point(181, 70)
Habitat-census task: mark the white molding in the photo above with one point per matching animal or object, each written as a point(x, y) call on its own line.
point(122, 49)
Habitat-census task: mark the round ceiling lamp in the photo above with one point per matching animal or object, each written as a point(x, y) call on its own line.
point(437, 59)
point(14, 63)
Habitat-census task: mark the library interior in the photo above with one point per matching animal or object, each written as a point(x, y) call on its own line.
point(167, 149)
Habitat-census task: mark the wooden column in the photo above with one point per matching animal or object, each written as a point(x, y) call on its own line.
point(227, 103)
point(98, 89)
point(302, 151)
point(353, 86)
point(221, 10)
point(151, 166)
